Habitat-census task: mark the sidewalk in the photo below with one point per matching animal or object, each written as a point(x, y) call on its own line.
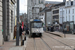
point(11, 45)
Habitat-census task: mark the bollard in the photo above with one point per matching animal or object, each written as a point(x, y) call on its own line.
point(23, 37)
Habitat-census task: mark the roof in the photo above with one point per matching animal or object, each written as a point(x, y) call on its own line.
point(47, 5)
point(63, 3)
point(60, 4)
point(46, 8)
point(51, 2)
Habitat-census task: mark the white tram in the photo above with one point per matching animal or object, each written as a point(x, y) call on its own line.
point(36, 27)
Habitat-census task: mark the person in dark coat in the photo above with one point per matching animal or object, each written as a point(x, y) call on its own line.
point(21, 29)
point(52, 28)
point(27, 32)
point(15, 31)
point(48, 28)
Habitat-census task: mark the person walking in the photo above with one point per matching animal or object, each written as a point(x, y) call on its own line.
point(15, 31)
point(27, 32)
point(21, 29)
point(49, 28)
point(21, 33)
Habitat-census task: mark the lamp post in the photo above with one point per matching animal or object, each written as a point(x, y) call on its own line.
point(17, 35)
point(62, 23)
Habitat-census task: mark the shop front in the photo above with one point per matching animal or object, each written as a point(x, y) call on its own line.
point(68, 27)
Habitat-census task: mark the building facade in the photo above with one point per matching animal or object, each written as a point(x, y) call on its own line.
point(55, 15)
point(34, 8)
point(29, 9)
point(6, 20)
point(24, 18)
point(10, 18)
point(1, 35)
point(47, 11)
point(67, 12)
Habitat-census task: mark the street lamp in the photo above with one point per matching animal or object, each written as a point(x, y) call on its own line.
point(62, 22)
point(17, 35)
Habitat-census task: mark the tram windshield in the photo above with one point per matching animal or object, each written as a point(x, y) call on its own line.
point(36, 25)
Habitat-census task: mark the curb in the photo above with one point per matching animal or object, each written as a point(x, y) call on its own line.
point(55, 34)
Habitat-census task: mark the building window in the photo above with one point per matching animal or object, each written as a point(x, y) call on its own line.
point(35, 3)
point(11, 21)
point(40, 1)
point(69, 18)
point(67, 3)
point(31, 0)
point(63, 12)
point(69, 11)
point(40, 9)
point(73, 11)
point(66, 18)
point(66, 11)
point(60, 13)
point(55, 11)
point(73, 18)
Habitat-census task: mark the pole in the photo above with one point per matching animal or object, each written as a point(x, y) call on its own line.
point(62, 22)
point(17, 35)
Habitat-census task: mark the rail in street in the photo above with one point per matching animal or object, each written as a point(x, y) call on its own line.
point(34, 44)
point(38, 44)
point(66, 45)
point(47, 42)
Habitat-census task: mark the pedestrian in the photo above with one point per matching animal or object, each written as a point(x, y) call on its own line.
point(15, 31)
point(53, 28)
point(49, 28)
point(21, 29)
point(27, 30)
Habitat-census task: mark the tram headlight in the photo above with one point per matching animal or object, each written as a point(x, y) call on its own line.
point(37, 29)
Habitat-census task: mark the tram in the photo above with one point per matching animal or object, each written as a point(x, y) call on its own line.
point(36, 27)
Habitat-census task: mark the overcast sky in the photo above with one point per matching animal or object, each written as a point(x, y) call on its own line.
point(23, 5)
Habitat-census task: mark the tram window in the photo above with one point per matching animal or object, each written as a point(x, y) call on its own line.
point(36, 25)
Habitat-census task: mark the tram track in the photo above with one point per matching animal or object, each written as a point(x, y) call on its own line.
point(41, 45)
point(46, 44)
point(60, 42)
point(34, 44)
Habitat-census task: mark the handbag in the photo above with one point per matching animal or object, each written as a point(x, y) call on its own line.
point(23, 35)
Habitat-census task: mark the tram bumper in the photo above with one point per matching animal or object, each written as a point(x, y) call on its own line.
point(37, 34)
